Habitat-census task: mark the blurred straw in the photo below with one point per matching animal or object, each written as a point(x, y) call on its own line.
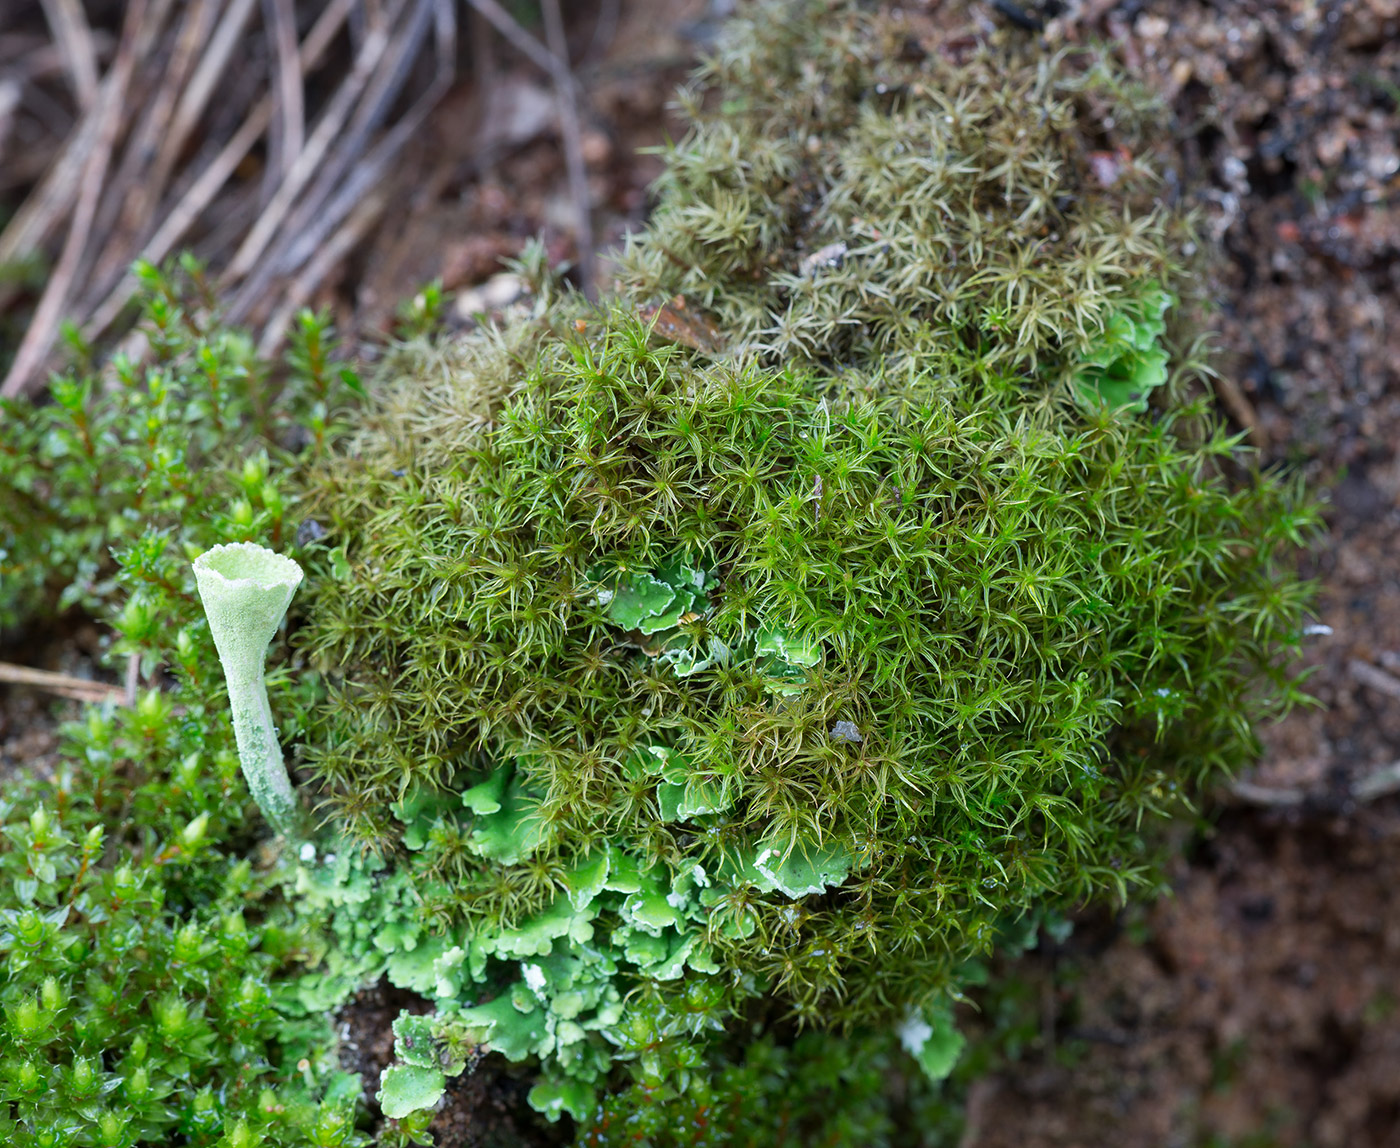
point(158, 154)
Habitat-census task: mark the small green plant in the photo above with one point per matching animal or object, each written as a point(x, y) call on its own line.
point(137, 994)
point(246, 589)
point(135, 465)
point(140, 949)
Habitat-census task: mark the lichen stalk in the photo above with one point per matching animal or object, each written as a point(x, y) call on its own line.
point(246, 589)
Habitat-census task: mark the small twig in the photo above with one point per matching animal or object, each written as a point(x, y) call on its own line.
point(605, 30)
point(18, 51)
point(65, 685)
point(182, 216)
point(1378, 783)
point(45, 207)
point(371, 168)
point(1377, 679)
point(515, 35)
point(74, 38)
point(133, 678)
point(565, 91)
point(227, 37)
point(38, 338)
point(1237, 403)
point(553, 61)
point(380, 95)
point(1266, 796)
point(26, 58)
point(9, 102)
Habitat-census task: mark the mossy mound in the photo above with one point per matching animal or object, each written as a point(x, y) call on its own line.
point(775, 652)
point(959, 634)
point(809, 658)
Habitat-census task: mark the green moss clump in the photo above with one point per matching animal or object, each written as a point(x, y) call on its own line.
point(1023, 628)
point(851, 643)
point(854, 179)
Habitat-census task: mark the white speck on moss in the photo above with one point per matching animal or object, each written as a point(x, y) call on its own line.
point(914, 1033)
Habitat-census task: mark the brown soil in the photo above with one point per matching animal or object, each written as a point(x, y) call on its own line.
point(484, 1108)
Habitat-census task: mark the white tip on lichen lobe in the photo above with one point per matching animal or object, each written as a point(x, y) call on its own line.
point(534, 978)
point(914, 1033)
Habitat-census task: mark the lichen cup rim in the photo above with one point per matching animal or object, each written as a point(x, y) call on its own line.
point(267, 570)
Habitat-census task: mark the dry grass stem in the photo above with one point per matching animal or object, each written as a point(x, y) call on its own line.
point(64, 685)
point(290, 126)
point(1375, 678)
point(75, 43)
point(347, 171)
point(39, 336)
point(138, 185)
point(160, 158)
point(328, 255)
point(566, 97)
point(178, 221)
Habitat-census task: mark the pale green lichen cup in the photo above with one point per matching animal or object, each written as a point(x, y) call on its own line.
point(246, 590)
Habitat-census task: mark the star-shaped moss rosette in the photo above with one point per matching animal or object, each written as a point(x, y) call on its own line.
point(246, 590)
